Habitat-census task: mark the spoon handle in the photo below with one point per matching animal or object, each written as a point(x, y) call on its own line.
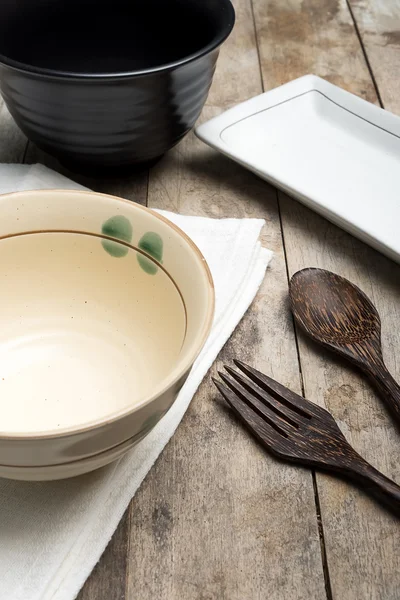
point(388, 388)
point(381, 487)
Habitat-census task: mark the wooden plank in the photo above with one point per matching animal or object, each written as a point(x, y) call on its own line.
point(313, 36)
point(379, 26)
point(217, 517)
point(362, 541)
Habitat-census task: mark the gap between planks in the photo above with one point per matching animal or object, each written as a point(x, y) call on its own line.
point(324, 560)
point(365, 54)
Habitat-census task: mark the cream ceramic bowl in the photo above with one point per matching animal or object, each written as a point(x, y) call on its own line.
point(104, 307)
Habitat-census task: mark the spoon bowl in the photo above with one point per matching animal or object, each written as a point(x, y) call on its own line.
point(338, 315)
point(328, 305)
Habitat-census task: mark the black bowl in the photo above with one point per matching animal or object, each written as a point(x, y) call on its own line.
point(109, 84)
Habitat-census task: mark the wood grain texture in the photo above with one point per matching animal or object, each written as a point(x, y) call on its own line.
point(313, 36)
point(217, 517)
point(362, 542)
point(378, 22)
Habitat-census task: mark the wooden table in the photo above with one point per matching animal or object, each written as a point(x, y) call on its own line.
point(218, 518)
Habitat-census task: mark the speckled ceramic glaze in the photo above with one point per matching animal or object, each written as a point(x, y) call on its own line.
point(105, 306)
point(109, 85)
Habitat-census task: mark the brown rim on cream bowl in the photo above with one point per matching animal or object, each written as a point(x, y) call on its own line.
point(105, 307)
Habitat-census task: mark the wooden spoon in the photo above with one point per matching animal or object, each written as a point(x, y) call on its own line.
point(338, 315)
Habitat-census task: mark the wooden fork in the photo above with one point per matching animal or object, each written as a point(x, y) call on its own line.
point(295, 429)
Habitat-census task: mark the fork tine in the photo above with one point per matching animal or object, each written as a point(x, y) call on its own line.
point(262, 430)
point(258, 406)
point(292, 417)
point(280, 392)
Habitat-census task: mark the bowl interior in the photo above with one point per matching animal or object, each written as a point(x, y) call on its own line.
point(99, 36)
point(82, 335)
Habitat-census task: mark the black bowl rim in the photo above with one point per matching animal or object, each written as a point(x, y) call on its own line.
point(213, 45)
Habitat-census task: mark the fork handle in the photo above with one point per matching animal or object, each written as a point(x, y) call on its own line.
point(384, 489)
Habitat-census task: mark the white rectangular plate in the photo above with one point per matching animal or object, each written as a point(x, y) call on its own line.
point(333, 151)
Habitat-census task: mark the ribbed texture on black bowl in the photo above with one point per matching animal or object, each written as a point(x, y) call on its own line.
point(108, 122)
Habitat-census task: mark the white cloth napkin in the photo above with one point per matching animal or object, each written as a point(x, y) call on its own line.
point(52, 534)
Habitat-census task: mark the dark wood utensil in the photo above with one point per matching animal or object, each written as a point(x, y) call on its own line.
point(337, 314)
point(298, 430)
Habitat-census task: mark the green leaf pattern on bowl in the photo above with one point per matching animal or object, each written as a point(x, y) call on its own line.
point(118, 227)
point(151, 243)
